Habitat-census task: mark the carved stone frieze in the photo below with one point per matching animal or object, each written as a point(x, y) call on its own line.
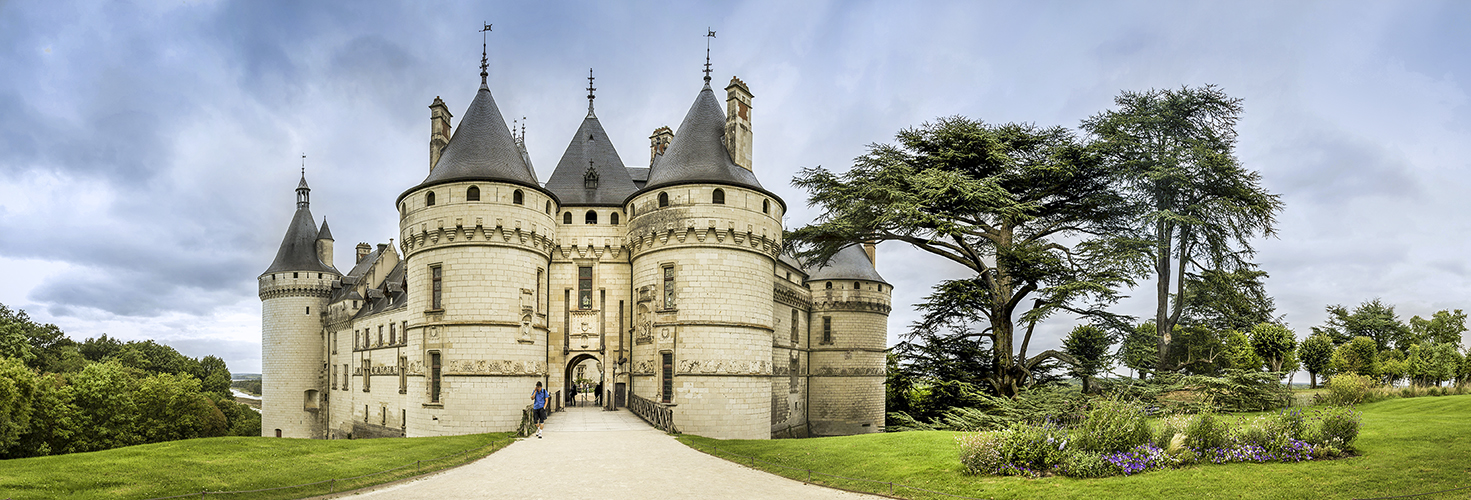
point(722, 367)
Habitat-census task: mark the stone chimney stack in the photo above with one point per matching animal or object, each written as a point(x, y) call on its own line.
point(363, 251)
point(659, 142)
point(738, 122)
point(439, 130)
point(871, 249)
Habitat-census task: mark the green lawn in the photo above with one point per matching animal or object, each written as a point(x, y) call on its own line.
point(233, 464)
point(1406, 446)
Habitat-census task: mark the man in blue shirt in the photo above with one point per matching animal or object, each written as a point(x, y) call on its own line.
point(539, 408)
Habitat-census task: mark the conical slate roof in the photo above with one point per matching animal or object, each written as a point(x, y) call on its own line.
point(698, 154)
point(481, 149)
point(298, 250)
point(591, 144)
point(325, 233)
point(850, 263)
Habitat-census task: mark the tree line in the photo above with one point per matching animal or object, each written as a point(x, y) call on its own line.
point(61, 396)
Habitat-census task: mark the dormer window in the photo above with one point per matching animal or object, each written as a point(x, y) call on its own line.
point(590, 177)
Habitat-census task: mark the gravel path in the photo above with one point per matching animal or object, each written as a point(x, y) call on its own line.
point(590, 453)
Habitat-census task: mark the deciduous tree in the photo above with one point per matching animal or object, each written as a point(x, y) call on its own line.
point(1317, 356)
point(1373, 319)
point(1273, 343)
point(1089, 346)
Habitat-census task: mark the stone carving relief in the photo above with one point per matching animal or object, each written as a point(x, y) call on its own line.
point(643, 326)
point(723, 367)
point(492, 367)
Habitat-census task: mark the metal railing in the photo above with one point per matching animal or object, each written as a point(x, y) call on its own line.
point(656, 414)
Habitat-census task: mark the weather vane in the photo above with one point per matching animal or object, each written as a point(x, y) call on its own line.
point(303, 165)
point(483, 61)
point(708, 36)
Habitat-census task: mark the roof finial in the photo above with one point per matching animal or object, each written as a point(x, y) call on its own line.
point(708, 36)
point(484, 63)
point(523, 129)
point(590, 90)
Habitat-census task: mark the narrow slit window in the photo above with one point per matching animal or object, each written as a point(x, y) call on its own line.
point(827, 329)
point(669, 287)
point(434, 379)
point(668, 376)
point(436, 287)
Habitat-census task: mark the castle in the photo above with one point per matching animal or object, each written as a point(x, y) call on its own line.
point(667, 281)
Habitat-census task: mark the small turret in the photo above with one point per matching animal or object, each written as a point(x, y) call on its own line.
point(324, 244)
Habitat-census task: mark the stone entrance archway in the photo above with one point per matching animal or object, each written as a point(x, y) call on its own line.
point(587, 371)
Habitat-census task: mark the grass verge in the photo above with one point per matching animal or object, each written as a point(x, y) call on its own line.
point(237, 464)
point(1406, 446)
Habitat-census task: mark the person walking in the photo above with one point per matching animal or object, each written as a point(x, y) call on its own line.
point(599, 395)
point(539, 407)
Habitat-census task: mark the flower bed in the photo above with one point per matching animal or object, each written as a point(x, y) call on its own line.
point(1117, 439)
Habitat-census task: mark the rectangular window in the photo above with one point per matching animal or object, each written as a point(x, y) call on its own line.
point(334, 377)
point(392, 333)
point(367, 374)
point(334, 346)
point(538, 290)
point(795, 321)
point(436, 278)
point(669, 287)
point(355, 341)
point(584, 288)
point(433, 377)
point(403, 375)
point(668, 374)
point(346, 374)
point(380, 334)
point(827, 329)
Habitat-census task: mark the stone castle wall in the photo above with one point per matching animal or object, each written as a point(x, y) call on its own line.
point(293, 305)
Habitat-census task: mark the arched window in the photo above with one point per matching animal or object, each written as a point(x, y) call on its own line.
point(613, 218)
point(518, 198)
point(566, 217)
point(631, 210)
point(829, 285)
point(429, 199)
point(719, 197)
point(663, 200)
point(857, 285)
point(549, 207)
point(765, 206)
point(472, 194)
point(591, 217)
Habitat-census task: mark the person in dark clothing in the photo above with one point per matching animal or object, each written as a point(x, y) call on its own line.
point(599, 395)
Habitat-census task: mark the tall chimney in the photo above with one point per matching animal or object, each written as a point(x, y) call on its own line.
point(871, 249)
point(738, 122)
point(439, 130)
point(659, 142)
point(363, 250)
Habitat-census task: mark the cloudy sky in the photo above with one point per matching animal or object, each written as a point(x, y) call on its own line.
point(148, 151)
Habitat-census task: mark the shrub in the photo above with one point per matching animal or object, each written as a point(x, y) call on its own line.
point(1021, 450)
point(1287, 424)
point(1085, 464)
point(1114, 426)
point(1205, 432)
point(1346, 389)
point(1170, 428)
point(1337, 427)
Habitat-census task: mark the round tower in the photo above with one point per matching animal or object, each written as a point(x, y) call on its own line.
point(293, 293)
point(704, 237)
point(476, 236)
point(849, 331)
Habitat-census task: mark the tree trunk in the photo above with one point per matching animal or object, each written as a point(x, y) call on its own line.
point(1163, 234)
point(1313, 380)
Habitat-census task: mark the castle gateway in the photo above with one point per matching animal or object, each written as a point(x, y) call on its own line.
point(663, 285)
